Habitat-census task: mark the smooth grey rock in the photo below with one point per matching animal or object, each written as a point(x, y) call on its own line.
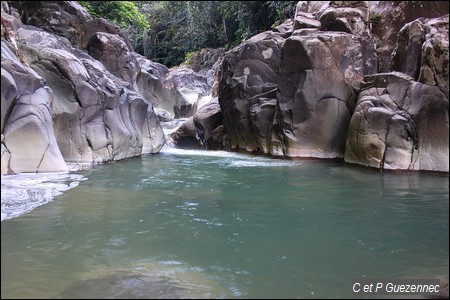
point(399, 124)
point(316, 94)
point(115, 54)
point(29, 137)
point(247, 76)
point(96, 116)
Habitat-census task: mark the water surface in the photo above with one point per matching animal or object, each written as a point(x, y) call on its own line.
point(192, 224)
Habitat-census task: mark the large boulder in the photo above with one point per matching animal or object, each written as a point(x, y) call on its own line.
point(401, 119)
point(316, 93)
point(276, 87)
point(115, 55)
point(345, 16)
point(248, 77)
point(203, 130)
point(399, 124)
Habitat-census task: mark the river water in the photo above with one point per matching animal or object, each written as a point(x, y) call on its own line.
point(196, 224)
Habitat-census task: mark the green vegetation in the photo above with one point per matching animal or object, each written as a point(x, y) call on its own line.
point(375, 19)
point(166, 31)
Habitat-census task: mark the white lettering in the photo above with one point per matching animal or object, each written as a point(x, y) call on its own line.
point(378, 286)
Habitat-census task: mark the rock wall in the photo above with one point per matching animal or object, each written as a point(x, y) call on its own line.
point(275, 88)
point(311, 87)
point(363, 81)
point(401, 119)
point(62, 103)
point(28, 142)
point(387, 18)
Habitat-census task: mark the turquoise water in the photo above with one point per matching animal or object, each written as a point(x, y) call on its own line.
point(192, 224)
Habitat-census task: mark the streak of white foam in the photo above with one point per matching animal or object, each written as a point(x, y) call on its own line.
point(239, 160)
point(24, 192)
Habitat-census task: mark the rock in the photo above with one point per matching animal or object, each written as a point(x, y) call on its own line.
point(247, 76)
point(185, 136)
point(316, 94)
point(29, 126)
point(66, 19)
point(28, 139)
point(85, 114)
point(163, 115)
point(268, 91)
point(206, 120)
point(346, 16)
point(177, 91)
point(387, 18)
point(203, 130)
point(152, 83)
point(115, 54)
point(191, 87)
point(152, 132)
point(422, 51)
point(399, 124)
point(435, 57)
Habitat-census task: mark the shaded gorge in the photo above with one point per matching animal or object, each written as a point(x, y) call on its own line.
point(197, 224)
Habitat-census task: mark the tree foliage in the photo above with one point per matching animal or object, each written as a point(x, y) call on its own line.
point(165, 31)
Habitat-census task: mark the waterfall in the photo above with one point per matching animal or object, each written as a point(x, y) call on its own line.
point(169, 127)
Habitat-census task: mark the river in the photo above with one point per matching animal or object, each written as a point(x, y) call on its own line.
point(197, 224)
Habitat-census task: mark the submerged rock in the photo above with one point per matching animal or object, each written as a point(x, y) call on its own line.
point(145, 281)
point(129, 285)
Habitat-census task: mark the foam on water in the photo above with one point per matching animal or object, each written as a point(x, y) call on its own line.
point(24, 192)
point(190, 152)
point(238, 159)
point(263, 163)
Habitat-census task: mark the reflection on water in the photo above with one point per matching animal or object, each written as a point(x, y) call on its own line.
point(190, 224)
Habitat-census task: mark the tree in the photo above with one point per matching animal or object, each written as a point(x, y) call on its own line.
point(165, 31)
point(123, 14)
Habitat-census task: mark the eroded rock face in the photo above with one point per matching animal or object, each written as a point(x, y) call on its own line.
point(387, 18)
point(177, 91)
point(277, 87)
point(345, 16)
point(316, 97)
point(84, 112)
point(66, 19)
point(399, 124)
point(153, 134)
point(325, 54)
point(401, 119)
point(28, 142)
point(97, 117)
point(248, 79)
point(422, 51)
point(115, 55)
